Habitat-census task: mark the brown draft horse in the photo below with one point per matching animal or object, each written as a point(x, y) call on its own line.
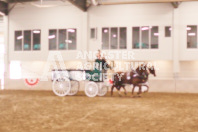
point(137, 78)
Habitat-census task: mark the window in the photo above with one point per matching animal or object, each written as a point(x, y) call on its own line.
point(71, 41)
point(168, 31)
point(105, 38)
point(123, 38)
point(36, 39)
point(154, 37)
point(25, 40)
point(191, 36)
point(18, 40)
point(62, 39)
point(136, 37)
point(146, 38)
point(52, 39)
point(114, 38)
point(93, 33)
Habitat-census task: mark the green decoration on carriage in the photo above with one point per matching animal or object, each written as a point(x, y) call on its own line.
point(95, 74)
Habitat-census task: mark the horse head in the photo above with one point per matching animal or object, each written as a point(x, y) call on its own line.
point(141, 69)
point(152, 70)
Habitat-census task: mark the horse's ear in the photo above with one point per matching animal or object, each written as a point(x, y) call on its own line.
point(146, 64)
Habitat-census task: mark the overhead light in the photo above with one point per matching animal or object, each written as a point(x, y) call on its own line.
point(114, 35)
point(145, 28)
point(41, 4)
point(105, 31)
point(191, 34)
point(95, 2)
point(19, 37)
point(188, 28)
point(68, 41)
point(36, 31)
point(71, 30)
point(156, 34)
point(51, 37)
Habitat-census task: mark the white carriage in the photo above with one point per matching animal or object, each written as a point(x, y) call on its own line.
point(67, 82)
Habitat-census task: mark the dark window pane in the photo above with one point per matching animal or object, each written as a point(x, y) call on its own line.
point(105, 38)
point(71, 42)
point(114, 38)
point(191, 36)
point(18, 41)
point(36, 39)
point(123, 38)
point(93, 33)
point(154, 37)
point(27, 40)
point(62, 39)
point(145, 37)
point(52, 39)
point(136, 37)
point(168, 31)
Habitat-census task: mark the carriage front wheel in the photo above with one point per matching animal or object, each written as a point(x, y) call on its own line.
point(91, 89)
point(61, 86)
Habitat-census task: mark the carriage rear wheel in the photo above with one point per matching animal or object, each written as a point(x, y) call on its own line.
point(103, 89)
point(74, 88)
point(61, 86)
point(91, 89)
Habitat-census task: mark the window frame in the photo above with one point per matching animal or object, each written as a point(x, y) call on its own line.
point(149, 38)
point(57, 40)
point(23, 40)
point(191, 48)
point(169, 31)
point(95, 33)
point(118, 38)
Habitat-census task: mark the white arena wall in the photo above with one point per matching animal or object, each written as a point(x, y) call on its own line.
point(177, 65)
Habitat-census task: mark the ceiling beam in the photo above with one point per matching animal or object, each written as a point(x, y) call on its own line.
point(81, 4)
point(4, 7)
point(142, 1)
point(16, 1)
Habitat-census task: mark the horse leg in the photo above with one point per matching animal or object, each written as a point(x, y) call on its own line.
point(125, 92)
point(140, 90)
point(119, 92)
point(112, 87)
point(147, 88)
point(133, 89)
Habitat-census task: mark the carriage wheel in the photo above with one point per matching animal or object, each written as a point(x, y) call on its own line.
point(103, 89)
point(91, 89)
point(61, 87)
point(74, 88)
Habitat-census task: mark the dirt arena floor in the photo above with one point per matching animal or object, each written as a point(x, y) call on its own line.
point(42, 111)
